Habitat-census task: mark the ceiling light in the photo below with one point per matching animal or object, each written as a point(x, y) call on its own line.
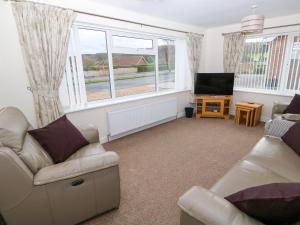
point(253, 23)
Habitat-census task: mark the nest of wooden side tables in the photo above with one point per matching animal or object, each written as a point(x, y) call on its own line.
point(248, 111)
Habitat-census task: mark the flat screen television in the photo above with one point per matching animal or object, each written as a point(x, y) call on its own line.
point(214, 83)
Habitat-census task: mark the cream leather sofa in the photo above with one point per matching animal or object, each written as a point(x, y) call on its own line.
point(278, 109)
point(34, 191)
point(270, 161)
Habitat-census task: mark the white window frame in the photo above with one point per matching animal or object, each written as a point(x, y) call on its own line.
point(78, 97)
point(282, 89)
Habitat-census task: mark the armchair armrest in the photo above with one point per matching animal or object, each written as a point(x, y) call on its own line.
point(211, 209)
point(90, 133)
point(278, 108)
point(76, 167)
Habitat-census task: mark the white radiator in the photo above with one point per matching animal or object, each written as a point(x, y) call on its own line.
point(130, 119)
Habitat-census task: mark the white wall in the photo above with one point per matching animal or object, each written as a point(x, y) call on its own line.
point(213, 60)
point(13, 78)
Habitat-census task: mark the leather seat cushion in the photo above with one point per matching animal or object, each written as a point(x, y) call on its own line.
point(88, 150)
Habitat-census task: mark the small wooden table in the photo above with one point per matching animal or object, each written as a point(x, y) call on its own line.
point(253, 111)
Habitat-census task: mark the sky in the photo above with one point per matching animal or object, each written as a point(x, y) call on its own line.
point(92, 42)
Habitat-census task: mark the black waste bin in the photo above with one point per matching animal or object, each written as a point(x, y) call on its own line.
point(189, 111)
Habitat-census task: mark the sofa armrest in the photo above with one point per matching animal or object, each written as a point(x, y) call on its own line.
point(76, 167)
point(278, 108)
point(90, 133)
point(208, 208)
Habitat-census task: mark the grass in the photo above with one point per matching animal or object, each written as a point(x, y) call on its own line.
point(118, 78)
point(123, 77)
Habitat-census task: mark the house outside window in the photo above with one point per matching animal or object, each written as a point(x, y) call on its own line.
point(105, 64)
point(270, 64)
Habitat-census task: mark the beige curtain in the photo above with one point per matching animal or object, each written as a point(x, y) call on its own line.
point(194, 44)
point(44, 33)
point(233, 46)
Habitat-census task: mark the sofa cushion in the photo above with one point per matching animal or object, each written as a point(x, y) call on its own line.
point(291, 116)
point(33, 155)
point(276, 204)
point(243, 175)
point(273, 154)
point(291, 137)
point(76, 167)
point(88, 150)
point(278, 127)
point(294, 106)
point(60, 139)
point(277, 116)
point(13, 127)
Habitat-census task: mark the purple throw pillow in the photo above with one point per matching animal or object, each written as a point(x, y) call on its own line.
point(272, 204)
point(60, 139)
point(294, 106)
point(291, 137)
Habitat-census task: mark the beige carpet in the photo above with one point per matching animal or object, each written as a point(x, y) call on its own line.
point(159, 164)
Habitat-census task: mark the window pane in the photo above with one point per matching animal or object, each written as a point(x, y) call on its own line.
point(129, 42)
point(293, 82)
point(166, 64)
point(261, 62)
point(95, 64)
point(133, 74)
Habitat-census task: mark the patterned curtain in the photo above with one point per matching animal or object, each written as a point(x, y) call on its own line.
point(44, 33)
point(194, 43)
point(233, 46)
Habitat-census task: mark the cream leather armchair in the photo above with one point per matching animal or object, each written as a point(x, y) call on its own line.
point(35, 191)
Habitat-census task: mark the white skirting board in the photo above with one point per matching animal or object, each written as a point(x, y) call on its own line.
point(129, 120)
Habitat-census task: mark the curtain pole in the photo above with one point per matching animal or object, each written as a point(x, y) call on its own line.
point(114, 18)
point(267, 28)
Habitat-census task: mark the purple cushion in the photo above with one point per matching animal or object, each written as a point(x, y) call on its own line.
point(272, 204)
point(291, 137)
point(60, 139)
point(294, 106)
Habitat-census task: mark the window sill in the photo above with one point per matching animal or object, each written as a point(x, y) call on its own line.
point(104, 103)
point(264, 92)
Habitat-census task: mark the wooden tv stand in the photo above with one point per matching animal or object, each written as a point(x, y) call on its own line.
point(212, 106)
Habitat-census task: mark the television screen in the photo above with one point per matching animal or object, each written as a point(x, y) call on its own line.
point(214, 83)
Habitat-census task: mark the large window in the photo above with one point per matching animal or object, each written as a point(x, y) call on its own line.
point(293, 79)
point(270, 64)
point(134, 64)
point(134, 74)
point(95, 64)
point(106, 64)
point(166, 62)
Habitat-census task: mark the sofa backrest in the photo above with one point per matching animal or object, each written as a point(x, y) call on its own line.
point(13, 135)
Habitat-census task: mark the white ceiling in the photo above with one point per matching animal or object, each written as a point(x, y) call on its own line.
point(206, 13)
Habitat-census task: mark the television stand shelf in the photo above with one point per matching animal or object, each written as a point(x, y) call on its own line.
point(212, 106)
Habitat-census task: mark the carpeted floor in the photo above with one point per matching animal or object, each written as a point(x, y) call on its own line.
point(159, 164)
